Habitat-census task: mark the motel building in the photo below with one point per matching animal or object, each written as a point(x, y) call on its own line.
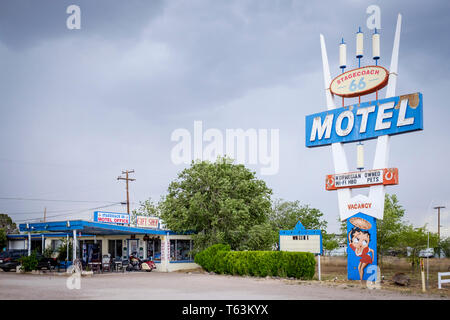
point(92, 240)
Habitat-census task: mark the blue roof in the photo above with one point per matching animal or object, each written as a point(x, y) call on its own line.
point(45, 234)
point(88, 227)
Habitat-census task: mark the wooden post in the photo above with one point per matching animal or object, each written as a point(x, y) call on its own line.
point(318, 259)
point(423, 275)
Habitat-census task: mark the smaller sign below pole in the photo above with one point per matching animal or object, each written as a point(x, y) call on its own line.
point(361, 179)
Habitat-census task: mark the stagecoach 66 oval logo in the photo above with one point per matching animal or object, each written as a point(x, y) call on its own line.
point(361, 81)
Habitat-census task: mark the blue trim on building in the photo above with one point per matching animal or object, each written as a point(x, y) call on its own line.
point(46, 235)
point(182, 261)
point(91, 228)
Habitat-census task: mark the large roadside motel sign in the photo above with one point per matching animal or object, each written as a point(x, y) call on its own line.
point(356, 122)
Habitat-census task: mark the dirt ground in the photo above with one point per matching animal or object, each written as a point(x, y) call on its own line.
point(334, 272)
point(194, 285)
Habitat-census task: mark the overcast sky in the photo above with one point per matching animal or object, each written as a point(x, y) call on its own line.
point(80, 106)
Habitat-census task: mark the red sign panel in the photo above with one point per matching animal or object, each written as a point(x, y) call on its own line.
point(361, 179)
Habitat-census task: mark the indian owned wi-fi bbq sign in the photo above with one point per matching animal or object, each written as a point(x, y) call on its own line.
point(361, 179)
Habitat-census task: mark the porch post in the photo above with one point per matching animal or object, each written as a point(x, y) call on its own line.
point(67, 248)
point(167, 251)
point(43, 244)
point(74, 246)
point(29, 243)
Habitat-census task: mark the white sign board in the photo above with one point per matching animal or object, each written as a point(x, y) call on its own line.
point(111, 217)
point(147, 222)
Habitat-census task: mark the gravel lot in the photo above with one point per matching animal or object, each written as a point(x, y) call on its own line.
point(189, 286)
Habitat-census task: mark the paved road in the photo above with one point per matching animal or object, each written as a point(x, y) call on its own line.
point(176, 286)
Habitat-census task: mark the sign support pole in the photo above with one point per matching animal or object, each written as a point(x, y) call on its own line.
point(29, 243)
point(318, 259)
point(376, 193)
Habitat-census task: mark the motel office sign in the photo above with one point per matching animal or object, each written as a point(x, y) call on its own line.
point(367, 120)
point(111, 217)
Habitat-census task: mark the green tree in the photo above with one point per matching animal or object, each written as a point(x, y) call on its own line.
point(445, 247)
point(7, 226)
point(3, 240)
point(261, 237)
point(147, 208)
point(414, 240)
point(220, 202)
point(286, 214)
point(330, 242)
point(390, 227)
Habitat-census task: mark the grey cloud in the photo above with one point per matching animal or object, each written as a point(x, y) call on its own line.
point(79, 106)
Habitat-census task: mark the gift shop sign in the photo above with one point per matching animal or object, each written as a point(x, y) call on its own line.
point(147, 222)
point(361, 179)
point(365, 121)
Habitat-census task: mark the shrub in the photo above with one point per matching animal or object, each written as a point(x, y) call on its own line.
point(208, 257)
point(62, 251)
point(219, 259)
point(29, 263)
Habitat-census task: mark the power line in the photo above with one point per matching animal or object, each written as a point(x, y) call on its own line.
point(54, 200)
point(38, 212)
point(69, 214)
point(126, 172)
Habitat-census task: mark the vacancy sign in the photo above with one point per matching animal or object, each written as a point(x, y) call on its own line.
point(361, 179)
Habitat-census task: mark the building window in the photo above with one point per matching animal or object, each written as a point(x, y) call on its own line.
point(180, 250)
point(55, 244)
point(154, 249)
point(115, 248)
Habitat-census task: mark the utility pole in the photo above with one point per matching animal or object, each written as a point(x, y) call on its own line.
point(45, 213)
point(439, 220)
point(439, 225)
point(126, 172)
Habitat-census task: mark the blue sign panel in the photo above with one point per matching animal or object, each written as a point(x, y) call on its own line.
point(362, 247)
point(111, 217)
point(365, 121)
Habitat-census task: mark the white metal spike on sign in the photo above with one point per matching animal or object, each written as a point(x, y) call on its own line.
point(374, 203)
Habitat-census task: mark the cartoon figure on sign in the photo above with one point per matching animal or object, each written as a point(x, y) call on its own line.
point(359, 239)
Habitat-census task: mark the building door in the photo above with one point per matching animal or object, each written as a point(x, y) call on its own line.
point(133, 247)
